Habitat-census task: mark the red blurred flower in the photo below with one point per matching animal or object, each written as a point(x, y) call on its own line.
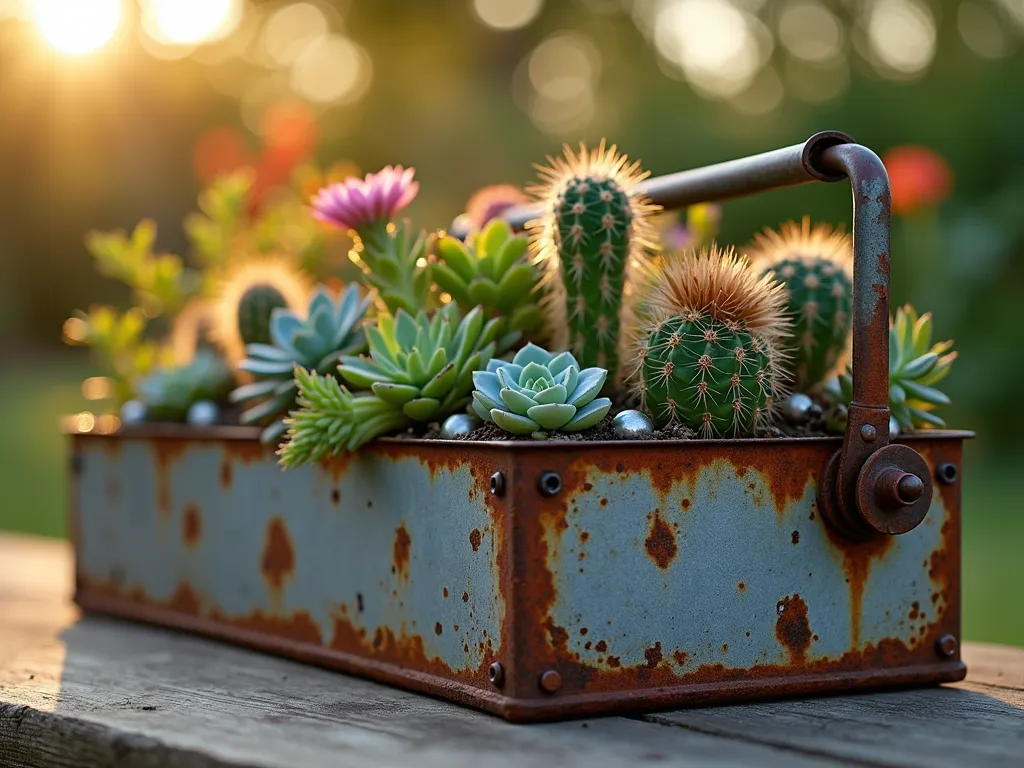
point(919, 177)
point(217, 152)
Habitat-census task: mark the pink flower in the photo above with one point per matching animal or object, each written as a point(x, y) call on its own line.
point(358, 203)
point(490, 202)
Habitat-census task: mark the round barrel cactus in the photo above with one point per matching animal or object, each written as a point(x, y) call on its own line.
point(254, 309)
point(705, 344)
point(813, 264)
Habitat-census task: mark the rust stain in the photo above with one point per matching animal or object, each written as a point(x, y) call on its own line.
point(185, 600)
point(227, 473)
point(465, 597)
point(165, 452)
point(247, 451)
point(795, 538)
point(299, 626)
point(915, 611)
point(191, 526)
point(681, 657)
point(741, 587)
point(445, 593)
point(661, 543)
point(401, 551)
point(653, 655)
point(614, 662)
point(858, 557)
point(685, 504)
point(278, 555)
point(474, 539)
point(601, 646)
point(335, 496)
point(438, 629)
point(792, 627)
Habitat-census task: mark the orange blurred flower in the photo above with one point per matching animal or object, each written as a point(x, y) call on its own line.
point(920, 178)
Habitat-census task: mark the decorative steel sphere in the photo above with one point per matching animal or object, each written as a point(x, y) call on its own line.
point(133, 412)
point(894, 427)
point(203, 413)
point(796, 407)
point(632, 425)
point(458, 425)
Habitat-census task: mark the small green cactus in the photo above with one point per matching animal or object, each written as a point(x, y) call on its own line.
point(813, 264)
point(168, 393)
point(491, 270)
point(595, 227)
point(254, 310)
point(419, 369)
point(331, 329)
point(705, 344)
point(915, 366)
point(539, 392)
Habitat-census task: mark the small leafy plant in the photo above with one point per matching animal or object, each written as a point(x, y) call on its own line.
point(169, 392)
point(539, 392)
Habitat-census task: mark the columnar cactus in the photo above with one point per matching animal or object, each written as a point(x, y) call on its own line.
point(704, 342)
point(814, 265)
point(254, 310)
point(596, 226)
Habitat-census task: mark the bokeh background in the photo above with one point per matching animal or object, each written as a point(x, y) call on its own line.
point(112, 111)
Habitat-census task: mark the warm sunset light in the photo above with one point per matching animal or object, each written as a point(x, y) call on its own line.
point(77, 27)
point(190, 22)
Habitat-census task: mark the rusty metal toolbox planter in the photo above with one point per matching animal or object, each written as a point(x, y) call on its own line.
point(542, 580)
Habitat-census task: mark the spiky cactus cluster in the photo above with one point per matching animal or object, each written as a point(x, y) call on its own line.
point(705, 344)
point(813, 264)
point(595, 227)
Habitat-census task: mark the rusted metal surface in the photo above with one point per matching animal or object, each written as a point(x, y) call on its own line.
point(657, 574)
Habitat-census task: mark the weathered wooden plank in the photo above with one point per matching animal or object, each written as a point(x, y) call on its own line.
point(97, 692)
point(961, 725)
point(997, 665)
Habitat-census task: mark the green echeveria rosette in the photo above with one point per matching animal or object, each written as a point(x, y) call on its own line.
point(329, 331)
point(169, 393)
point(707, 375)
point(540, 392)
point(492, 270)
point(819, 298)
point(593, 225)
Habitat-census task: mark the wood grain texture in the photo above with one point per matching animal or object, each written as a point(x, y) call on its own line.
point(90, 691)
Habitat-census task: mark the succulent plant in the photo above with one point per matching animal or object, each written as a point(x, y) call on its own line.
point(705, 344)
point(330, 330)
point(392, 257)
point(419, 369)
point(491, 270)
point(915, 366)
point(488, 203)
point(247, 297)
point(813, 264)
point(539, 392)
point(596, 225)
point(169, 393)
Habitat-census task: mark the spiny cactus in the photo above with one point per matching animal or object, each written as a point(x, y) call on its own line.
point(491, 270)
point(705, 344)
point(168, 393)
point(419, 369)
point(915, 366)
point(813, 264)
point(539, 392)
point(596, 225)
point(246, 298)
point(330, 329)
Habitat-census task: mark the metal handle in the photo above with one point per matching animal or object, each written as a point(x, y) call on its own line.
point(827, 156)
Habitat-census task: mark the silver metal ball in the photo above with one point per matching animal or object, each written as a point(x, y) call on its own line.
point(795, 408)
point(459, 425)
point(203, 413)
point(133, 412)
point(630, 425)
point(894, 427)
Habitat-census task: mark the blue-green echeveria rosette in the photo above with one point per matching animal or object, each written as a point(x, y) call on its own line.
point(539, 392)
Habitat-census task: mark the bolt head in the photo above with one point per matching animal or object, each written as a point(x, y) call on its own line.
point(497, 484)
point(868, 433)
point(550, 681)
point(796, 409)
point(549, 483)
point(947, 473)
point(632, 425)
point(458, 425)
point(496, 674)
point(947, 646)
point(910, 488)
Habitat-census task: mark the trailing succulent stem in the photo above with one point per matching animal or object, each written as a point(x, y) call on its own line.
point(813, 264)
point(705, 344)
point(491, 270)
point(915, 366)
point(594, 228)
point(330, 330)
point(419, 369)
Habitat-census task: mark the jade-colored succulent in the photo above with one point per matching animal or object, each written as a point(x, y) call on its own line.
point(595, 227)
point(705, 344)
point(419, 369)
point(813, 264)
point(330, 330)
point(539, 392)
point(168, 393)
point(915, 366)
point(491, 270)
